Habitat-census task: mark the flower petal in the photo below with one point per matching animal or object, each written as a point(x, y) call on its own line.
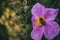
point(50, 13)
point(33, 22)
point(51, 30)
point(37, 9)
point(49, 39)
point(37, 33)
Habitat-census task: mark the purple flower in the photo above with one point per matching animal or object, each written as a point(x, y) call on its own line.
point(43, 22)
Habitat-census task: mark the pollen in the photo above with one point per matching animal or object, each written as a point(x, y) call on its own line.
point(40, 21)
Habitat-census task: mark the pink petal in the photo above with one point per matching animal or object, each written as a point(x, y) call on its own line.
point(37, 9)
point(33, 19)
point(33, 22)
point(37, 33)
point(50, 14)
point(51, 30)
point(49, 39)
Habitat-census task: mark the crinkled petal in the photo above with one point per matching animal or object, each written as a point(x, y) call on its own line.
point(50, 14)
point(37, 33)
point(34, 22)
point(37, 10)
point(51, 30)
point(50, 39)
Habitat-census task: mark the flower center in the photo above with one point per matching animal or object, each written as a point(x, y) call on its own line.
point(40, 21)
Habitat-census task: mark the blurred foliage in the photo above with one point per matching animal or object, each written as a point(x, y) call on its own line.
point(21, 23)
point(3, 33)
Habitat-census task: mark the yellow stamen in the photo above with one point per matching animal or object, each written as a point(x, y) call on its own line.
point(38, 23)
